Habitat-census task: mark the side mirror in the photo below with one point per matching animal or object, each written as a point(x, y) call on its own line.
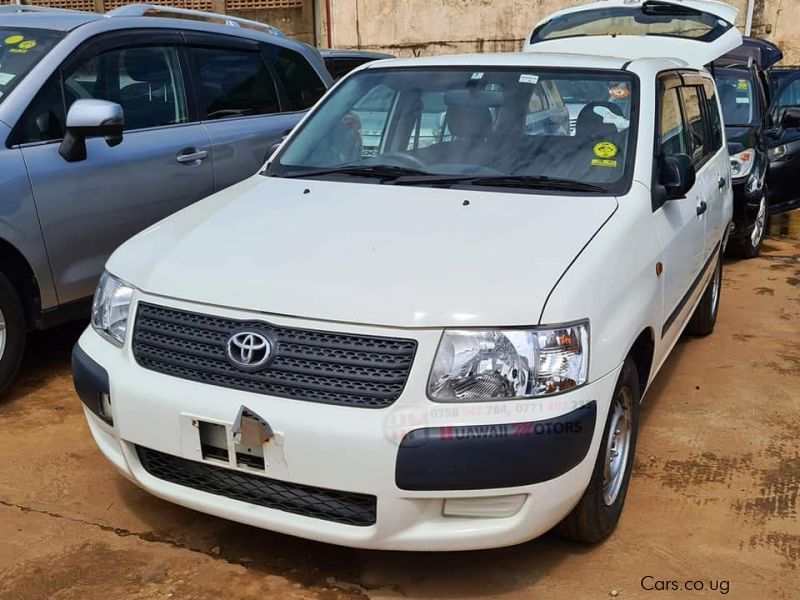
point(790, 118)
point(274, 147)
point(676, 175)
point(91, 118)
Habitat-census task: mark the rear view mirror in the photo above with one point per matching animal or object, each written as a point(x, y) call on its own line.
point(676, 175)
point(91, 118)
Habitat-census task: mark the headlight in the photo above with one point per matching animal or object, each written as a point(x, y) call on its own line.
point(112, 300)
point(777, 152)
point(473, 365)
point(742, 163)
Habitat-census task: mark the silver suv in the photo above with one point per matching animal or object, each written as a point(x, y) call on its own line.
point(110, 123)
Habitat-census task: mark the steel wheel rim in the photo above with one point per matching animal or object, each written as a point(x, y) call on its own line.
point(618, 445)
point(3, 335)
point(758, 226)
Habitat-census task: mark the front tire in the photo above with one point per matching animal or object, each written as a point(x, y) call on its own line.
point(12, 333)
point(705, 314)
point(750, 246)
point(597, 513)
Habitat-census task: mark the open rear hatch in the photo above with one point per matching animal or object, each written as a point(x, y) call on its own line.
point(695, 31)
point(765, 54)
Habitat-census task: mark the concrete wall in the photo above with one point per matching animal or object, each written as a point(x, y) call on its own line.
point(424, 27)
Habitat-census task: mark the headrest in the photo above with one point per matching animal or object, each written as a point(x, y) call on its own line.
point(592, 122)
point(146, 64)
point(469, 122)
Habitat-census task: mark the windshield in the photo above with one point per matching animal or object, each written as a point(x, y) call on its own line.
point(736, 95)
point(475, 125)
point(650, 19)
point(20, 50)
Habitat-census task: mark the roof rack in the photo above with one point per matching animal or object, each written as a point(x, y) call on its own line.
point(25, 8)
point(156, 10)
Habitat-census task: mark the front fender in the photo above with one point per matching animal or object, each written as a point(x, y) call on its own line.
point(19, 223)
point(613, 283)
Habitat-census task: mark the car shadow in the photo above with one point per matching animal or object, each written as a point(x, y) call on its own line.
point(47, 357)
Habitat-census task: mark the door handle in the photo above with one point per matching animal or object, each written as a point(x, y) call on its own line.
point(190, 155)
point(702, 207)
point(721, 183)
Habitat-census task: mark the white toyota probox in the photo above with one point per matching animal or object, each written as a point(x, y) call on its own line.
point(441, 342)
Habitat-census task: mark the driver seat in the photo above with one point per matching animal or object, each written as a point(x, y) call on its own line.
point(470, 127)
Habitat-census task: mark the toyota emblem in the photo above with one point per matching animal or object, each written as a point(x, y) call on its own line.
point(249, 350)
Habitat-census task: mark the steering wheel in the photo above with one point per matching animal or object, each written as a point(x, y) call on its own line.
point(404, 160)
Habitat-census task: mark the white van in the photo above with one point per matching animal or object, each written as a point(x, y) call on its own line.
point(428, 344)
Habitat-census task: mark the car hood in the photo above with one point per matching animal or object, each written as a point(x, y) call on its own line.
point(365, 253)
point(741, 137)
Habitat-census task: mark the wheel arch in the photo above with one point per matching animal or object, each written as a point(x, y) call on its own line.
point(642, 353)
point(19, 272)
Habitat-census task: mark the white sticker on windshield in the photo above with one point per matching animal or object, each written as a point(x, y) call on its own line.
point(477, 75)
point(740, 100)
point(5, 78)
point(527, 78)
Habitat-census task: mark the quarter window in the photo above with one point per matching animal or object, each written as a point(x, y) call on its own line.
point(234, 84)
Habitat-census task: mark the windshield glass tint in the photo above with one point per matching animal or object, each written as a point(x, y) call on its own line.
point(20, 50)
point(662, 20)
point(567, 124)
point(736, 96)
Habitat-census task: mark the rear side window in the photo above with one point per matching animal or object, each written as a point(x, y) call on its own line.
point(301, 82)
point(672, 134)
point(234, 83)
point(699, 145)
point(714, 120)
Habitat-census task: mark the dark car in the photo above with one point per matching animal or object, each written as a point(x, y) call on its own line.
point(340, 62)
point(744, 94)
point(784, 146)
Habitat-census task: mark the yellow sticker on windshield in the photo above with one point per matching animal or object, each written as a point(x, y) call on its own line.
point(14, 39)
point(742, 85)
point(603, 162)
point(605, 150)
point(27, 45)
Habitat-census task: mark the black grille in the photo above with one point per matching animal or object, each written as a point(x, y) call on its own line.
point(318, 366)
point(341, 507)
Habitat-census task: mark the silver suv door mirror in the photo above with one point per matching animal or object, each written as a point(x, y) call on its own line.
point(91, 118)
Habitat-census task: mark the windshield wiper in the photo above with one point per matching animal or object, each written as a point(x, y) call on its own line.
point(540, 182)
point(384, 172)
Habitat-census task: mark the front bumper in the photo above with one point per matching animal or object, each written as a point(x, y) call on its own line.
point(501, 445)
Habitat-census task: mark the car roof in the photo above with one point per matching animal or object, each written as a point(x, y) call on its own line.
point(340, 53)
point(523, 59)
point(55, 20)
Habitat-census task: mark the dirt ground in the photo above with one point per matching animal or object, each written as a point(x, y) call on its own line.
point(714, 495)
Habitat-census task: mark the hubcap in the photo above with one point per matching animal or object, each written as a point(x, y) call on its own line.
point(2, 334)
point(761, 219)
point(618, 446)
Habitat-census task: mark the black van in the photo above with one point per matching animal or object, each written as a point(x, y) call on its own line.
point(783, 177)
point(744, 93)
